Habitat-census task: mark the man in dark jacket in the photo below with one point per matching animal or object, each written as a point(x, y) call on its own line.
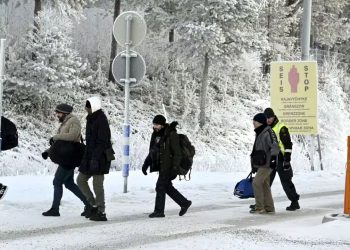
point(70, 130)
point(96, 161)
point(284, 168)
point(164, 157)
point(3, 190)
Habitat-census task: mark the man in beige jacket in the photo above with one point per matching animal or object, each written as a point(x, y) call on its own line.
point(70, 130)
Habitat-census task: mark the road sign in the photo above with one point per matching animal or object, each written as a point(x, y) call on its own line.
point(137, 28)
point(137, 68)
point(294, 95)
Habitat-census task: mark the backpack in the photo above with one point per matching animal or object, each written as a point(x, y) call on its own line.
point(188, 151)
point(9, 134)
point(244, 188)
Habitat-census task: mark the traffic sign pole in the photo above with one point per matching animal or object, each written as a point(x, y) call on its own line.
point(128, 69)
point(2, 77)
point(126, 130)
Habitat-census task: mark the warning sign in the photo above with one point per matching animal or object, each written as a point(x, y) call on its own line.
point(294, 95)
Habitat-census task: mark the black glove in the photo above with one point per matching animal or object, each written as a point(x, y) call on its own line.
point(51, 141)
point(286, 166)
point(254, 170)
point(273, 162)
point(287, 156)
point(93, 166)
point(144, 169)
point(45, 155)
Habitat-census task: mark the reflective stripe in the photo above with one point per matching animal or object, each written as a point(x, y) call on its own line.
point(277, 129)
point(288, 151)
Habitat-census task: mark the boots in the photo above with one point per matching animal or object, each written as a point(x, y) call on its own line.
point(156, 215)
point(184, 209)
point(293, 206)
point(51, 212)
point(98, 216)
point(89, 211)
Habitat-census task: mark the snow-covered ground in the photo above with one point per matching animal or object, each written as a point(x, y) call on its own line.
point(216, 220)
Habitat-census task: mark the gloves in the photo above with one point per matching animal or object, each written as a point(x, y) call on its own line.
point(45, 155)
point(51, 141)
point(254, 170)
point(286, 166)
point(144, 169)
point(273, 162)
point(93, 166)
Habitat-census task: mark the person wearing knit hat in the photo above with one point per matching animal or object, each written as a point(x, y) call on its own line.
point(69, 131)
point(164, 156)
point(263, 159)
point(260, 117)
point(284, 168)
point(159, 119)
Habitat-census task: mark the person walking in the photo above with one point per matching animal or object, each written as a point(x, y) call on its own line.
point(284, 168)
point(97, 159)
point(164, 157)
point(263, 159)
point(69, 130)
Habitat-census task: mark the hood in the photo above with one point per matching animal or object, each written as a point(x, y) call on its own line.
point(95, 103)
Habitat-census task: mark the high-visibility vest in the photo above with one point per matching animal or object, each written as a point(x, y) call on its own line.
point(277, 129)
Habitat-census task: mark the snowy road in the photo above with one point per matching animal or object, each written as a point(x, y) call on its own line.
point(220, 226)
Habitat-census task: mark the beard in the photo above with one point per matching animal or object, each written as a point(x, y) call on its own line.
point(61, 119)
point(158, 132)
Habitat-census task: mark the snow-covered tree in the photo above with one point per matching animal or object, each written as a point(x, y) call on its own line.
point(57, 70)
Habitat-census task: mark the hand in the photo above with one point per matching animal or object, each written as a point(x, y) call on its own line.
point(45, 155)
point(286, 166)
point(51, 141)
point(144, 169)
point(254, 170)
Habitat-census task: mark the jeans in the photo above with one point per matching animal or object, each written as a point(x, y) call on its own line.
point(66, 177)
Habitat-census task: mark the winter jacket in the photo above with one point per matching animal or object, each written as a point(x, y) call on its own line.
point(265, 143)
point(70, 129)
point(165, 156)
point(98, 140)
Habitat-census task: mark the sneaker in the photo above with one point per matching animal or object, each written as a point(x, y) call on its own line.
point(98, 216)
point(293, 206)
point(51, 212)
point(184, 209)
point(3, 190)
point(257, 211)
point(156, 215)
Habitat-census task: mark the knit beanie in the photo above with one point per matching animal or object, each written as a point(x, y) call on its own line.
point(64, 108)
point(159, 119)
point(260, 117)
point(269, 113)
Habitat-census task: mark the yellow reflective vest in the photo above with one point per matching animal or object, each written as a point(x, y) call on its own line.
point(277, 129)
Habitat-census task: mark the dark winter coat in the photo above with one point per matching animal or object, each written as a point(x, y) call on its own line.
point(165, 156)
point(98, 140)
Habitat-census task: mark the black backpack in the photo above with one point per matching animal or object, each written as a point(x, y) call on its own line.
point(9, 134)
point(188, 151)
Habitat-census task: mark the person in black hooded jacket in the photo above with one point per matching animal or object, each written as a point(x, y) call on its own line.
point(95, 163)
point(164, 157)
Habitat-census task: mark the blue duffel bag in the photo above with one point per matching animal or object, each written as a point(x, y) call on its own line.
point(244, 188)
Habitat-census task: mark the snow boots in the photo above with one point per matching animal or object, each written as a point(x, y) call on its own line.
point(3, 190)
point(89, 211)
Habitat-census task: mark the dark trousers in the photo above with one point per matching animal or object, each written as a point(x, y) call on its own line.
point(165, 186)
point(286, 181)
point(65, 176)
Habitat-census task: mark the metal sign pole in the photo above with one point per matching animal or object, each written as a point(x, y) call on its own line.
point(2, 77)
point(126, 130)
